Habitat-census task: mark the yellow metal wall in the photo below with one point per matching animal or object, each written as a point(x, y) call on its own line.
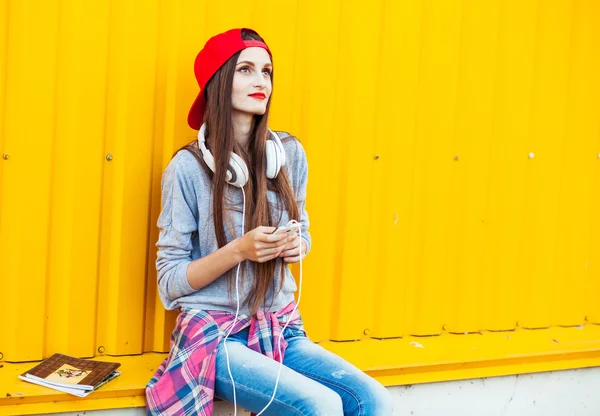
point(454, 151)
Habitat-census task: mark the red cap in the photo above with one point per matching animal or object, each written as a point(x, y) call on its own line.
point(215, 53)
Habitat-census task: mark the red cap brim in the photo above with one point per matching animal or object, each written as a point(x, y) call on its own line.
point(196, 114)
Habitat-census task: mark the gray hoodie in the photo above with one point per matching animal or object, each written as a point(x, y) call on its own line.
point(187, 233)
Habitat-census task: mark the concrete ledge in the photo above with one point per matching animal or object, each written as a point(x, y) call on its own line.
point(558, 393)
point(401, 361)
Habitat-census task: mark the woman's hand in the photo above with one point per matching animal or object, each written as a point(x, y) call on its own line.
point(292, 253)
point(260, 245)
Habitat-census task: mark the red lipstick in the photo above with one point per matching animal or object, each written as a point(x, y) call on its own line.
point(258, 95)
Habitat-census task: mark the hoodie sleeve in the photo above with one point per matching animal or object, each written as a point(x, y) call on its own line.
point(177, 223)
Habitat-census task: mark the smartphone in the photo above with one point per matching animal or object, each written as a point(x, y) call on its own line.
point(288, 229)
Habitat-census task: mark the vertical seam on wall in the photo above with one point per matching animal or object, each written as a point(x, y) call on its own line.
point(103, 170)
point(51, 173)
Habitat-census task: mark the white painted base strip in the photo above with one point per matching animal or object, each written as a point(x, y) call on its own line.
point(557, 393)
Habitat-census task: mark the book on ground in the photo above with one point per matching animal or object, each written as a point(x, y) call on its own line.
point(71, 375)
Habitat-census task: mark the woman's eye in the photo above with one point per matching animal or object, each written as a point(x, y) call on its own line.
point(246, 69)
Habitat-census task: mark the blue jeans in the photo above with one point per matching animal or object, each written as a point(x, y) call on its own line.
point(313, 381)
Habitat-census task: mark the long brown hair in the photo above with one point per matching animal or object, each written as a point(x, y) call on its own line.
point(219, 133)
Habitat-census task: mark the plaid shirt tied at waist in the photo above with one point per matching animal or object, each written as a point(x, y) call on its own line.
point(184, 384)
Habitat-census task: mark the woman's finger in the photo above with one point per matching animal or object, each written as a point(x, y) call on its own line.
point(267, 258)
point(296, 255)
point(295, 243)
point(283, 243)
point(276, 244)
point(268, 252)
point(295, 259)
point(271, 238)
point(294, 251)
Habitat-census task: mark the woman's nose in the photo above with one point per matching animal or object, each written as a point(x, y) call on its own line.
point(260, 81)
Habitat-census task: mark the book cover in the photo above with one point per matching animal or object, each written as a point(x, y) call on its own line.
point(70, 372)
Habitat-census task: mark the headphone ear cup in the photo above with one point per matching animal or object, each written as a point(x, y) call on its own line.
point(237, 172)
point(281, 150)
point(273, 159)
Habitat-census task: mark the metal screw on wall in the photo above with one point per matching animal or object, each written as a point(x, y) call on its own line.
point(101, 349)
point(531, 155)
point(1, 356)
point(376, 157)
point(366, 332)
point(456, 157)
point(109, 157)
point(5, 156)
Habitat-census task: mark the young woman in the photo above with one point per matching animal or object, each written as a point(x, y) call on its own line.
point(239, 335)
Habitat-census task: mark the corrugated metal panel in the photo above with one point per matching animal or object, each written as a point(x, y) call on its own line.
point(419, 118)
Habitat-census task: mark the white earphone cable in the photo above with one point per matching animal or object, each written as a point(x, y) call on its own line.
point(207, 156)
point(237, 311)
point(237, 294)
point(288, 321)
point(210, 162)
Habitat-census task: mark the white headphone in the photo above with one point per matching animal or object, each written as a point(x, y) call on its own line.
point(237, 171)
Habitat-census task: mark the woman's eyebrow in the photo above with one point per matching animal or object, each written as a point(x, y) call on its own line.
point(252, 63)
